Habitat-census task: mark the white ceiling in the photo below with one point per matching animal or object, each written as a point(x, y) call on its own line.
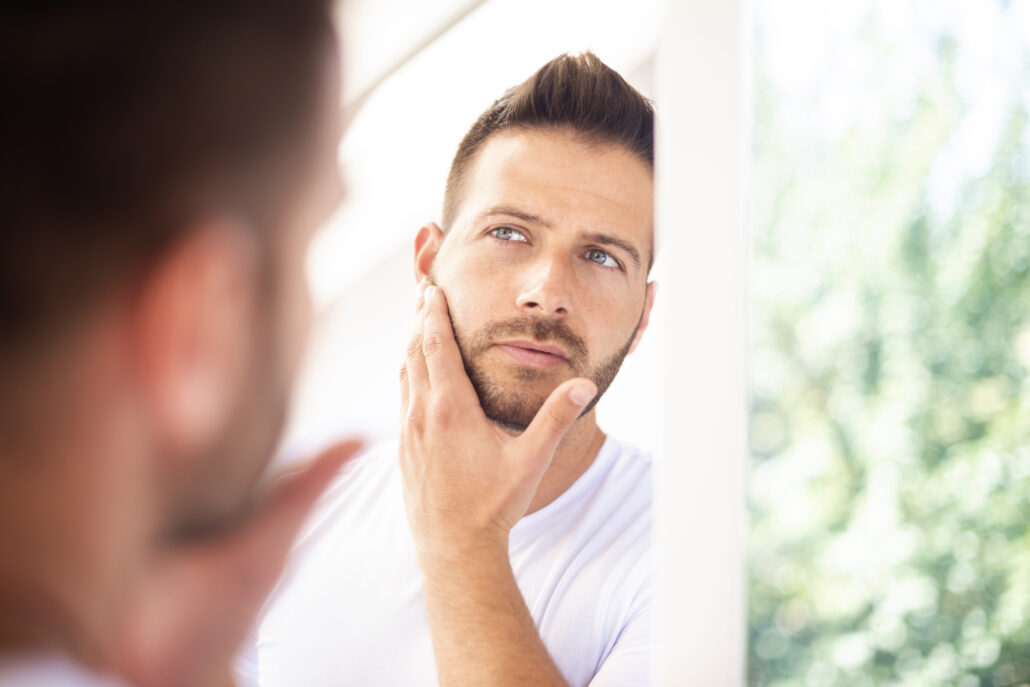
point(380, 35)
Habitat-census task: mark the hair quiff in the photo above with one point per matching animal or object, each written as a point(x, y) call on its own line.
point(575, 92)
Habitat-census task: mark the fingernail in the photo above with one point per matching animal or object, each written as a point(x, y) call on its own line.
point(430, 293)
point(581, 394)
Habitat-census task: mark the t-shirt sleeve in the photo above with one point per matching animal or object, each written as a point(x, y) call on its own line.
point(628, 664)
point(245, 668)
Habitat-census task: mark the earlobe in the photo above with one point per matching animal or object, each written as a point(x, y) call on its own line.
point(645, 317)
point(427, 245)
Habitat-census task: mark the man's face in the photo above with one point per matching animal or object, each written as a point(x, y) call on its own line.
point(223, 481)
point(545, 268)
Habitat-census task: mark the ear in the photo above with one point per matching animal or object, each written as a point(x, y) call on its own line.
point(652, 287)
point(427, 245)
point(193, 334)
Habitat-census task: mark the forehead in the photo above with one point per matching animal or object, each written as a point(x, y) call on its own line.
point(571, 183)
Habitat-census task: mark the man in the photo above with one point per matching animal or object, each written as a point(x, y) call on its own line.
point(163, 167)
point(477, 559)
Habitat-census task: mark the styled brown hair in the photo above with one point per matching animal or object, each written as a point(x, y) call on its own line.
point(575, 92)
point(124, 121)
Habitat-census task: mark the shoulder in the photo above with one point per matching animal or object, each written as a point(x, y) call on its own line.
point(619, 503)
point(626, 456)
point(375, 462)
point(365, 478)
point(44, 670)
point(623, 472)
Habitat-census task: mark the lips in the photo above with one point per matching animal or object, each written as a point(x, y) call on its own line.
point(533, 353)
point(540, 347)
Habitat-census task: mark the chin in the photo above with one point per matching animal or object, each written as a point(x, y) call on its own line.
point(203, 521)
point(511, 394)
point(511, 405)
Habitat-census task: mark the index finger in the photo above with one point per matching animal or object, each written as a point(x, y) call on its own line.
point(443, 360)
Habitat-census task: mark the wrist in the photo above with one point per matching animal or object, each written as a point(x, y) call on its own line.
point(462, 554)
point(450, 539)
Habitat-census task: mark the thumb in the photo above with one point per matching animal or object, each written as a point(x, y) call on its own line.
point(562, 408)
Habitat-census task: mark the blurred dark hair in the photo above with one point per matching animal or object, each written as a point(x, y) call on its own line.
point(124, 121)
point(575, 92)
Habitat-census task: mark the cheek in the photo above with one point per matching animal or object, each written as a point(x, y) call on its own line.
point(610, 324)
point(465, 311)
point(294, 307)
point(297, 325)
point(475, 292)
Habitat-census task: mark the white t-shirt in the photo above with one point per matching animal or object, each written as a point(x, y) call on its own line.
point(48, 670)
point(350, 609)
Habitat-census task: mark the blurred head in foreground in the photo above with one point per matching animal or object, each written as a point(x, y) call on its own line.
point(547, 236)
point(164, 165)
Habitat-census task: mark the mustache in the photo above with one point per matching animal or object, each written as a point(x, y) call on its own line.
point(538, 329)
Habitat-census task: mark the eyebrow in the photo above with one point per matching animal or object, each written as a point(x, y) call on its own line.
point(511, 211)
point(596, 237)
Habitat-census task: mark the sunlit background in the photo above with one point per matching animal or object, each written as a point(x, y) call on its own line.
point(890, 310)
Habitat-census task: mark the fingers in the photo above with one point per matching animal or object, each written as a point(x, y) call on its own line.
point(437, 386)
point(562, 408)
point(414, 360)
point(442, 359)
point(405, 390)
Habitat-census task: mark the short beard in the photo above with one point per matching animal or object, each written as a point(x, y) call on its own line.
point(514, 409)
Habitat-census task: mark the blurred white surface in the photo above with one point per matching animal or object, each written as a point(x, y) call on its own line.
point(700, 514)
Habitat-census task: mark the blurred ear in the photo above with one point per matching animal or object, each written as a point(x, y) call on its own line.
point(193, 334)
point(645, 318)
point(427, 244)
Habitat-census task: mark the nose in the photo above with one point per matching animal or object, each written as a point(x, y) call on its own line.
point(545, 288)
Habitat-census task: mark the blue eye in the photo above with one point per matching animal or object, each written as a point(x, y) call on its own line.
point(508, 234)
point(602, 258)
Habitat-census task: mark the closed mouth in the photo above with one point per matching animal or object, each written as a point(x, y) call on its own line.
point(533, 353)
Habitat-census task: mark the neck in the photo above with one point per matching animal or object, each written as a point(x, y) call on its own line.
point(575, 454)
point(72, 526)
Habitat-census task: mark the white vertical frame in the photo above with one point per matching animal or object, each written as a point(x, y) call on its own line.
point(703, 145)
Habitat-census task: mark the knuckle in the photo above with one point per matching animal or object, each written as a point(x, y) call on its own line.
point(430, 344)
point(403, 373)
point(416, 418)
point(441, 412)
point(555, 418)
point(415, 345)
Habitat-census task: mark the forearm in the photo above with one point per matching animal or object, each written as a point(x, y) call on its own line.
point(482, 631)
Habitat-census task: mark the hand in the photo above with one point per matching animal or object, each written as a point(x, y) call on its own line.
point(466, 482)
point(196, 604)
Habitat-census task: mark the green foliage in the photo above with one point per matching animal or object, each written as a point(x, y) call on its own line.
point(890, 485)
